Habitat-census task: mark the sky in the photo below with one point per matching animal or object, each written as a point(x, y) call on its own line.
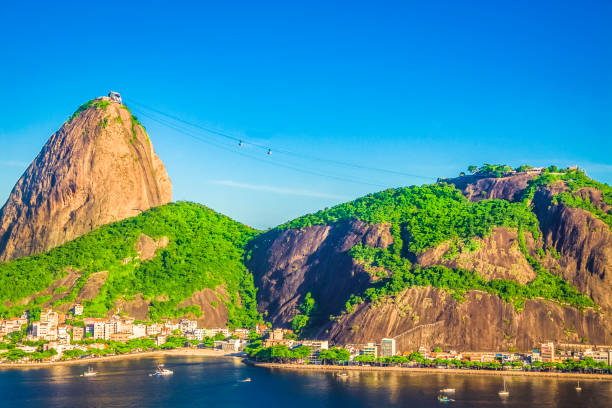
point(336, 90)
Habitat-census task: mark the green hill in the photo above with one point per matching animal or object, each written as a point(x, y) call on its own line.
point(204, 250)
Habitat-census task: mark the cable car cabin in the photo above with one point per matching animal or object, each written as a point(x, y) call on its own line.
point(115, 96)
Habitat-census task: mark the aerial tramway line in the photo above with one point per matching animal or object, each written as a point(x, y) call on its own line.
point(211, 136)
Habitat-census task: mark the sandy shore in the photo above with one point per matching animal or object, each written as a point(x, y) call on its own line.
point(450, 371)
point(156, 353)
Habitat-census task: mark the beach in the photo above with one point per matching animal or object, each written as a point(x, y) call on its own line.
point(419, 370)
point(172, 352)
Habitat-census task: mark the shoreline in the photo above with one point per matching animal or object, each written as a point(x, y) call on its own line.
point(422, 370)
point(156, 353)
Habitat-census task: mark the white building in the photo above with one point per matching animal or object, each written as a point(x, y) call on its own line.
point(387, 347)
point(139, 330)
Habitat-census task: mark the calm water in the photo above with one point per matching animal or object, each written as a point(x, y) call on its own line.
point(216, 382)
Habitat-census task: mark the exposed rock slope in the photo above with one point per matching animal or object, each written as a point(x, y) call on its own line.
point(98, 168)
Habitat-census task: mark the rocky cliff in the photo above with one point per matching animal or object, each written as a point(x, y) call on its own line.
point(571, 243)
point(99, 167)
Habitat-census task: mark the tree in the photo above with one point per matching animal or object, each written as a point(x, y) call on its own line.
point(472, 169)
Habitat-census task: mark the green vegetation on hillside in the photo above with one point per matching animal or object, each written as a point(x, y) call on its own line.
point(205, 250)
point(306, 308)
point(423, 217)
point(98, 104)
point(574, 180)
point(458, 281)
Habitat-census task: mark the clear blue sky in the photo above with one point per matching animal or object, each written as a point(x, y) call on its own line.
point(424, 88)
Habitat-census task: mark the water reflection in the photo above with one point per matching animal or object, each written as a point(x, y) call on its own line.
point(209, 381)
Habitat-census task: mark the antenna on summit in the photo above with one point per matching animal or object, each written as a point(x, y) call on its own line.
point(115, 96)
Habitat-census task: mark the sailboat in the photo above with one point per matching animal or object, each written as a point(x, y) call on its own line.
point(578, 388)
point(89, 373)
point(504, 392)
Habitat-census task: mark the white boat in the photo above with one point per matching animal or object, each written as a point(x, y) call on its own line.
point(89, 373)
point(248, 379)
point(578, 388)
point(448, 390)
point(161, 372)
point(504, 392)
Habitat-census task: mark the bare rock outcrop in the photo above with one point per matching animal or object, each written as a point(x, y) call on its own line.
point(426, 316)
point(478, 187)
point(98, 168)
point(288, 264)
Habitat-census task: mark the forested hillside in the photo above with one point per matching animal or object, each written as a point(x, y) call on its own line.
point(440, 240)
point(193, 248)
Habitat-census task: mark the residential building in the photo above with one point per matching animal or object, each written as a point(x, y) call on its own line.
point(122, 337)
point(369, 349)
point(63, 337)
point(242, 333)
point(77, 310)
point(315, 346)
point(49, 316)
point(78, 333)
point(153, 329)
point(230, 346)
point(387, 347)
point(287, 342)
point(98, 328)
point(139, 330)
point(276, 334)
point(44, 331)
point(188, 326)
point(547, 352)
point(603, 356)
point(198, 334)
point(160, 339)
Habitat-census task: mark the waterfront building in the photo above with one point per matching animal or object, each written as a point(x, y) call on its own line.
point(160, 339)
point(547, 352)
point(387, 347)
point(287, 342)
point(603, 356)
point(315, 346)
point(369, 349)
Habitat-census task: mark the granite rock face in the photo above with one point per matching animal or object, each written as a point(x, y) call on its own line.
point(97, 168)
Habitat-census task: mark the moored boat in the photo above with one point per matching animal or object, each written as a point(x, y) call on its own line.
point(161, 371)
point(89, 373)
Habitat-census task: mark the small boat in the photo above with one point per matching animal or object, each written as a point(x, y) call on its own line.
point(89, 373)
point(444, 398)
point(248, 379)
point(448, 390)
point(578, 388)
point(343, 375)
point(504, 392)
point(161, 371)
